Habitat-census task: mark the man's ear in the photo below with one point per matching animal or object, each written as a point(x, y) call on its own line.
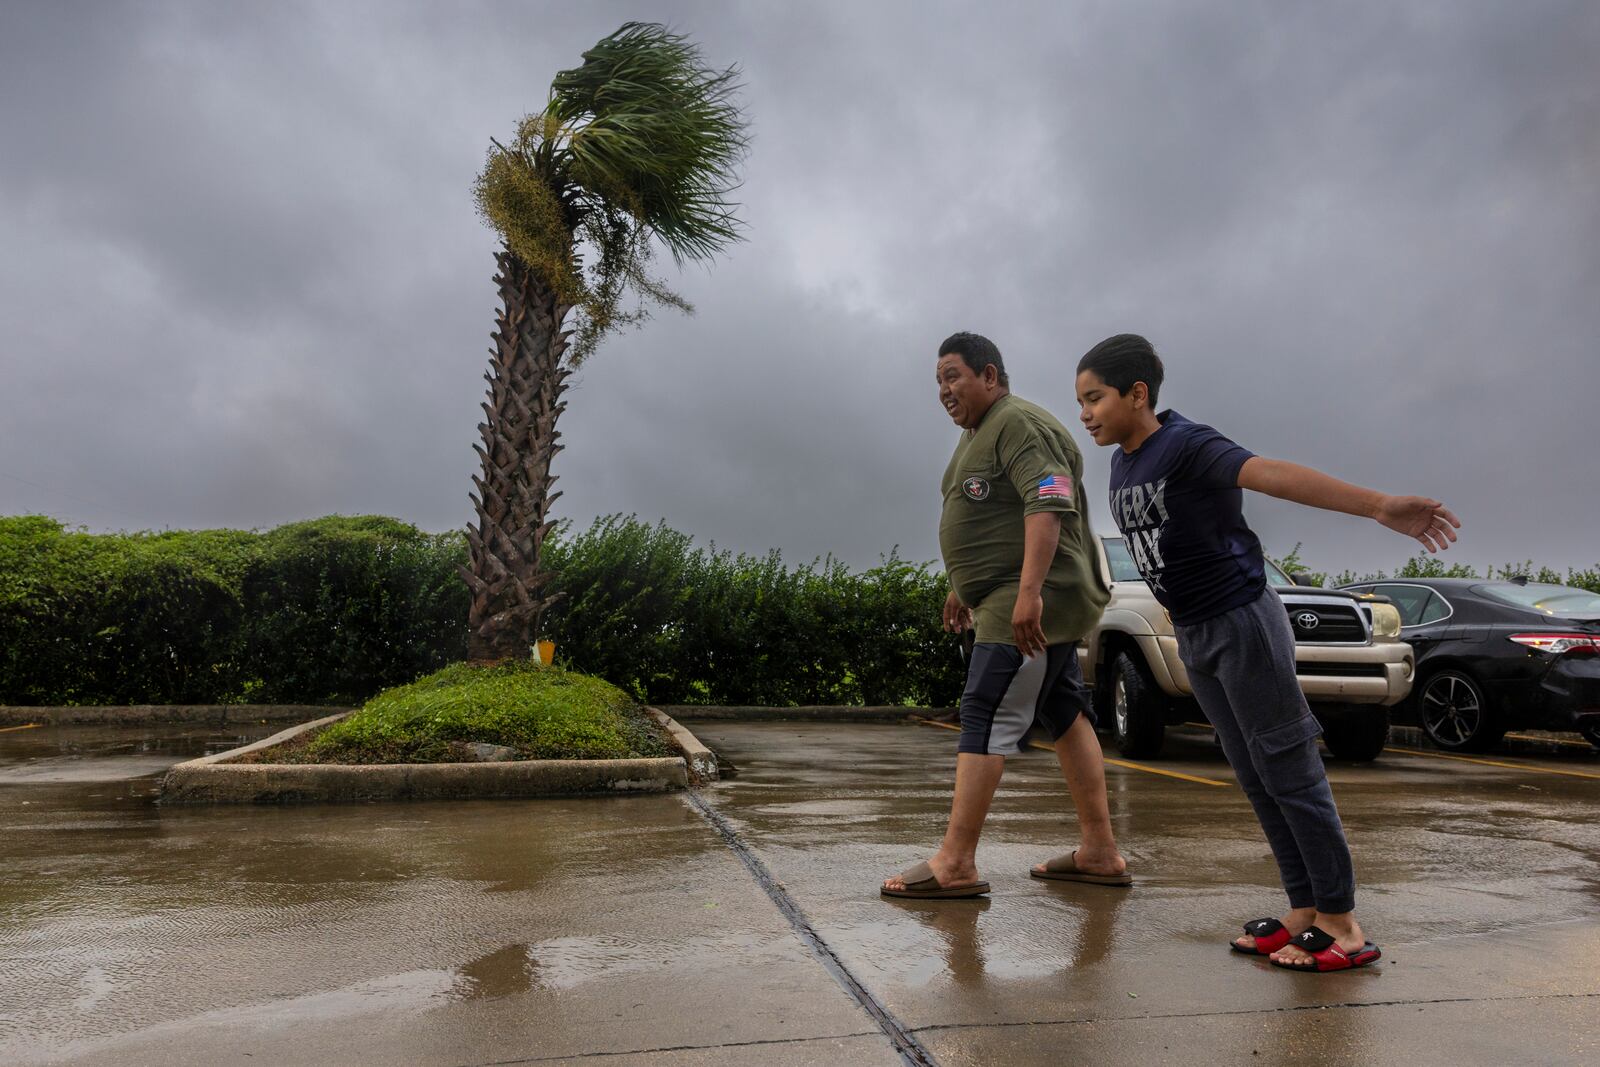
point(991, 375)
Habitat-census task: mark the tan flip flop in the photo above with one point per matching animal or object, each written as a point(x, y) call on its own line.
point(1065, 869)
point(922, 885)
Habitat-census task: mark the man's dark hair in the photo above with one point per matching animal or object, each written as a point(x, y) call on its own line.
point(1124, 359)
point(977, 352)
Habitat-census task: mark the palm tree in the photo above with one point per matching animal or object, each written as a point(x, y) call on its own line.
point(636, 146)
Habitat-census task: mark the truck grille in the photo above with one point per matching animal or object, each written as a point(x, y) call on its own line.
point(1341, 670)
point(1333, 624)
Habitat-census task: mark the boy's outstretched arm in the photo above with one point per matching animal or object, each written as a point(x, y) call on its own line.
point(1429, 521)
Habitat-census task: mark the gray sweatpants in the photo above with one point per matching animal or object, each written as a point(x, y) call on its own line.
point(1241, 666)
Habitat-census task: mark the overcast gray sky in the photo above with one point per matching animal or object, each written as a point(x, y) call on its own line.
point(242, 283)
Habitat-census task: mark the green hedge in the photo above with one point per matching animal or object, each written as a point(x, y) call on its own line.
point(328, 611)
point(673, 624)
point(334, 610)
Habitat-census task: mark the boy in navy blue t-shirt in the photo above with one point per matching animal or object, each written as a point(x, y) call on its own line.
point(1176, 494)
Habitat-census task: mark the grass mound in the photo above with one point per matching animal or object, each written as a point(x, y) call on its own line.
point(541, 712)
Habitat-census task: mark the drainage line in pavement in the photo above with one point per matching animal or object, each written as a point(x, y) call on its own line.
point(905, 1043)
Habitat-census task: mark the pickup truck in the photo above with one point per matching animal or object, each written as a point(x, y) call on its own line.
point(1348, 654)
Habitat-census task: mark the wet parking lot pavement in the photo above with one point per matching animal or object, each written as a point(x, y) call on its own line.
point(742, 925)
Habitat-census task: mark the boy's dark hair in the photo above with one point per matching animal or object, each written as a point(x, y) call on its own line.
point(977, 352)
point(1124, 359)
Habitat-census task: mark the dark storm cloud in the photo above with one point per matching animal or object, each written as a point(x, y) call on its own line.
point(242, 282)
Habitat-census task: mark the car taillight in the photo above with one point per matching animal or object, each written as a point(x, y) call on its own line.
point(1557, 644)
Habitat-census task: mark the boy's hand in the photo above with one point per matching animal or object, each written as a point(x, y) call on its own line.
point(957, 616)
point(1429, 521)
point(1025, 623)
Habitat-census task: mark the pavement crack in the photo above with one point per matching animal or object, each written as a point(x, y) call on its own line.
point(900, 1036)
point(568, 1057)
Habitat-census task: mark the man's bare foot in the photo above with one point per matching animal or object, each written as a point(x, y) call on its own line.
point(947, 870)
point(1296, 921)
point(1342, 928)
point(1102, 860)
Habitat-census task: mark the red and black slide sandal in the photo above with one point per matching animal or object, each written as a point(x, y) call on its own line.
point(1326, 955)
point(1270, 935)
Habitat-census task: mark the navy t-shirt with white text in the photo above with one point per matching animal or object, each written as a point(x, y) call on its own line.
point(1177, 500)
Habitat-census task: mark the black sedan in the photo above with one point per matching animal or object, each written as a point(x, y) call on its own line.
point(1497, 655)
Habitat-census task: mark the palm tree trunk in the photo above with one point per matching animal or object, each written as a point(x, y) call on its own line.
point(526, 379)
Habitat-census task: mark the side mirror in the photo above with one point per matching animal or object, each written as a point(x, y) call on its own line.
point(1302, 578)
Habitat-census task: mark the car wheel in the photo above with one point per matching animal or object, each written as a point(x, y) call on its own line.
point(1355, 732)
point(1138, 709)
point(1452, 710)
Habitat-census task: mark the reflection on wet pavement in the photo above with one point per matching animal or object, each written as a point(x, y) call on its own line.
point(1443, 851)
point(469, 932)
point(129, 930)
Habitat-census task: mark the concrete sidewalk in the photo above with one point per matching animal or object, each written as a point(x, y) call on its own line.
point(630, 930)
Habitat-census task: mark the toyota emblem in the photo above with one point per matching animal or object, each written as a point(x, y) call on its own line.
point(1307, 620)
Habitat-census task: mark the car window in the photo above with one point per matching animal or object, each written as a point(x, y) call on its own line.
point(1413, 601)
point(1434, 610)
point(1276, 578)
point(1550, 599)
point(1123, 568)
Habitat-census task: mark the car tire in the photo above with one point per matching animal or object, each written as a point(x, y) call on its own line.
point(1138, 708)
point(1356, 733)
point(1452, 710)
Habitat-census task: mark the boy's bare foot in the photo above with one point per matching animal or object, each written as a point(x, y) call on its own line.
point(1095, 860)
point(1344, 930)
point(1296, 921)
point(948, 870)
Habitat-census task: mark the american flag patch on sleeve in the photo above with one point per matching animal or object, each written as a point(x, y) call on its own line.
point(1056, 485)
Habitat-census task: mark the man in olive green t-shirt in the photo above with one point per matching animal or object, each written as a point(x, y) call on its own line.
point(1023, 570)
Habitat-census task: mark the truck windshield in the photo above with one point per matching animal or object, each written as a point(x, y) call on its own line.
point(1124, 570)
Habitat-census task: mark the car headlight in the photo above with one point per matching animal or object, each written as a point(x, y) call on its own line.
point(1385, 621)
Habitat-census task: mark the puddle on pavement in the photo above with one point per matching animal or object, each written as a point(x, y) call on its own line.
point(499, 974)
point(564, 963)
point(407, 991)
point(87, 754)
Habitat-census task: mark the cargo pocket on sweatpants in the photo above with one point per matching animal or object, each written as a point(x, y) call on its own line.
point(1286, 756)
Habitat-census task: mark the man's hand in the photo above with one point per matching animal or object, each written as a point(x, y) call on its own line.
point(1025, 624)
point(957, 616)
point(1429, 521)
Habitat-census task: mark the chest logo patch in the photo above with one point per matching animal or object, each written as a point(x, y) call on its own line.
point(976, 489)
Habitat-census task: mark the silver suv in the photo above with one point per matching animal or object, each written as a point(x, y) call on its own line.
point(1352, 664)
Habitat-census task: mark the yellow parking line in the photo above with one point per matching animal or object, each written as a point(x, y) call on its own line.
point(1114, 762)
point(1550, 740)
point(1493, 763)
point(1485, 762)
point(30, 726)
point(1157, 770)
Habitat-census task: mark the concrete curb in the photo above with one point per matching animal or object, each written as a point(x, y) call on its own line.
point(812, 713)
point(702, 761)
point(215, 780)
point(147, 714)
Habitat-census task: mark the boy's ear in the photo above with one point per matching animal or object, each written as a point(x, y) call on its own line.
point(1139, 393)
